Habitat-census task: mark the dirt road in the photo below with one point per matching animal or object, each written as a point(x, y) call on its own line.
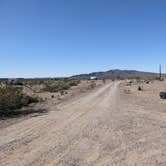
point(102, 128)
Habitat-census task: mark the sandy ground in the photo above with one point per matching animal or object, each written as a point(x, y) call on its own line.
point(42, 108)
point(114, 125)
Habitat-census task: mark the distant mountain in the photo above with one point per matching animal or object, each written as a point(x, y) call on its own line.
point(117, 73)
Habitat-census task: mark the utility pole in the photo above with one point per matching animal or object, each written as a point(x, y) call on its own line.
point(160, 71)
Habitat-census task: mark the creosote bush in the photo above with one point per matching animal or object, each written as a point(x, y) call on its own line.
point(12, 98)
point(59, 86)
point(73, 82)
point(140, 88)
point(56, 87)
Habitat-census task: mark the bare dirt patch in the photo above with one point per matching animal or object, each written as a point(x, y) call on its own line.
point(49, 100)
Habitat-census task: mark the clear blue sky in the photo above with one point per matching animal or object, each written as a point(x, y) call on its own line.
point(65, 37)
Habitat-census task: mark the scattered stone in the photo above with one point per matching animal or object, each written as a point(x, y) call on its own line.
point(140, 88)
point(147, 82)
point(163, 95)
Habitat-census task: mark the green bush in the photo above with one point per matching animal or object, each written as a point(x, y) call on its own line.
point(73, 82)
point(33, 82)
point(12, 98)
point(59, 86)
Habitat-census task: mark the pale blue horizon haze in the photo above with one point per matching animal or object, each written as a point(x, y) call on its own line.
point(54, 38)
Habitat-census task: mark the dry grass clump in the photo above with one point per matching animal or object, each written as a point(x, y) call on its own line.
point(127, 91)
point(93, 85)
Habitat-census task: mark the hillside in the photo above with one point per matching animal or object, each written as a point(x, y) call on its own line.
point(117, 73)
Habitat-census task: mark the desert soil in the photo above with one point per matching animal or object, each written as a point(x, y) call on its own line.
point(114, 125)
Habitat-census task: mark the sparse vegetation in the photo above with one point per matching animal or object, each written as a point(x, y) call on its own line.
point(159, 79)
point(32, 82)
point(163, 95)
point(73, 82)
point(147, 81)
point(60, 86)
point(127, 91)
point(92, 85)
point(104, 81)
point(56, 87)
point(13, 98)
point(140, 88)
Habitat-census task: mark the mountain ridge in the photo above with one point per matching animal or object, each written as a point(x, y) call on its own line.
point(117, 73)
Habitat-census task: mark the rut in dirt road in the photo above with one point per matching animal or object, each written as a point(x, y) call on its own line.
point(97, 129)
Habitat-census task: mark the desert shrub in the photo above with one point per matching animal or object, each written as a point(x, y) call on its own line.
point(73, 82)
point(12, 98)
point(127, 91)
point(159, 79)
point(140, 88)
point(20, 112)
point(33, 82)
point(26, 100)
point(2, 81)
point(162, 95)
point(56, 87)
point(147, 81)
point(93, 85)
point(62, 92)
